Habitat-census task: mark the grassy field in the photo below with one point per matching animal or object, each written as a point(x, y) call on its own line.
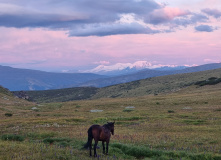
point(185, 124)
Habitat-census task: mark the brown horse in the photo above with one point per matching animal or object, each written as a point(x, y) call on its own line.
point(99, 133)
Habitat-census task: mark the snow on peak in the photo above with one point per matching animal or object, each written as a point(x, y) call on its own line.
point(118, 66)
point(141, 64)
point(121, 66)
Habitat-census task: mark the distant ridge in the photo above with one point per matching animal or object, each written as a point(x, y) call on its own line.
point(129, 68)
point(147, 73)
point(25, 79)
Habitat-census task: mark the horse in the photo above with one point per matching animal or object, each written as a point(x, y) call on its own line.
point(99, 133)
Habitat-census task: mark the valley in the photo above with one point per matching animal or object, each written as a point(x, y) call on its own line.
point(149, 86)
point(180, 122)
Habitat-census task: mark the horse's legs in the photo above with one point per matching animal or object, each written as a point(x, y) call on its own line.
point(95, 147)
point(90, 146)
point(103, 147)
point(107, 147)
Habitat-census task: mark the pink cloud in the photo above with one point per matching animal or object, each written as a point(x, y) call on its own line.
point(166, 14)
point(174, 12)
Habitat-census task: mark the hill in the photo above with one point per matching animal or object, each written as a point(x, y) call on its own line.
point(9, 104)
point(24, 79)
point(4, 91)
point(154, 86)
point(58, 95)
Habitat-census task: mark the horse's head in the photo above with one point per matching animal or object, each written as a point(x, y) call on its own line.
point(111, 125)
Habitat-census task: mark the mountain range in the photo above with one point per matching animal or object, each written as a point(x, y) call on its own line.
point(24, 79)
point(147, 73)
point(128, 68)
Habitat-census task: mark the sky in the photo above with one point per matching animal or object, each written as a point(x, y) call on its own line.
point(55, 35)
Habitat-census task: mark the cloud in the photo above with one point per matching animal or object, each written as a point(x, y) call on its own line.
point(79, 17)
point(212, 12)
point(211, 60)
point(204, 28)
point(97, 18)
point(165, 15)
point(77, 12)
point(12, 15)
point(111, 29)
point(191, 19)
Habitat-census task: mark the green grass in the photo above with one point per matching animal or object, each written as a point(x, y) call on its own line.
point(41, 135)
point(140, 152)
point(178, 125)
point(36, 150)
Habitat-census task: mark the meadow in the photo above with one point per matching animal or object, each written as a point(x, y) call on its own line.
point(185, 124)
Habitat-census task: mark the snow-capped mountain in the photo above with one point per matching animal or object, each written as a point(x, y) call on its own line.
point(126, 68)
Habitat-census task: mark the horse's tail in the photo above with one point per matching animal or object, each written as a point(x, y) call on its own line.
point(90, 137)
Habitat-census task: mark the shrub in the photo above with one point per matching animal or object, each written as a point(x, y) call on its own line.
point(137, 151)
point(144, 152)
point(12, 137)
point(128, 110)
point(75, 120)
point(218, 110)
point(61, 141)
point(49, 140)
point(100, 120)
point(194, 122)
point(210, 81)
point(127, 118)
point(35, 135)
point(8, 114)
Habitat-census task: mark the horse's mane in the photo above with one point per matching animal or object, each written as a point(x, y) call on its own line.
point(107, 126)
